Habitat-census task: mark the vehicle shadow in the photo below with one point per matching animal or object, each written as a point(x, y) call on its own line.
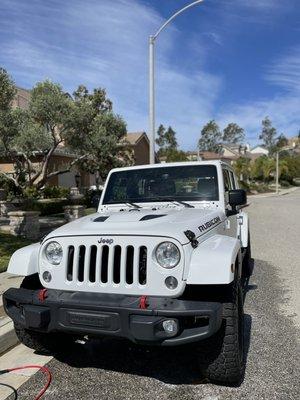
point(171, 365)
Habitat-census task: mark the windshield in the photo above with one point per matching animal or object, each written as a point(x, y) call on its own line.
point(194, 183)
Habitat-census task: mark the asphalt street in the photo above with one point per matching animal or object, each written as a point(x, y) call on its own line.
point(117, 370)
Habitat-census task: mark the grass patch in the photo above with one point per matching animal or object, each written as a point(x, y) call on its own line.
point(8, 245)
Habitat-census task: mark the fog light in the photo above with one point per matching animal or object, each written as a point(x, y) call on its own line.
point(47, 276)
point(170, 326)
point(171, 282)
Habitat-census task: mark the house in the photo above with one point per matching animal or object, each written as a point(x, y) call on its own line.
point(294, 143)
point(21, 99)
point(229, 152)
point(234, 150)
point(260, 149)
point(139, 143)
point(206, 156)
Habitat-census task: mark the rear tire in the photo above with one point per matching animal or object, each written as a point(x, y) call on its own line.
point(45, 343)
point(221, 357)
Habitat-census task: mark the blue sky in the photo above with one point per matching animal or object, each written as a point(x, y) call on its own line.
point(230, 60)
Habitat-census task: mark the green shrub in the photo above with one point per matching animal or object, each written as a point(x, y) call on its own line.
point(10, 188)
point(259, 187)
point(92, 197)
point(45, 206)
point(56, 192)
point(285, 184)
point(245, 186)
point(31, 193)
point(53, 206)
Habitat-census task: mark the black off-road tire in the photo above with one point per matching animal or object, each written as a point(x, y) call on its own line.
point(221, 357)
point(44, 343)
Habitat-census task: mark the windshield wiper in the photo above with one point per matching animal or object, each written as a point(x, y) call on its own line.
point(174, 201)
point(128, 203)
point(132, 204)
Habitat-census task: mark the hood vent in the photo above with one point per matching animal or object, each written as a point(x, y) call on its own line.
point(100, 219)
point(147, 217)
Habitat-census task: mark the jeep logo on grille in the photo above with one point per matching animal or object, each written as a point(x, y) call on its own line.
point(105, 241)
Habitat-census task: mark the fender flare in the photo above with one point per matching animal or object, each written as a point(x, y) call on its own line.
point(24, 261)
point(213, 262)
point(244, 228)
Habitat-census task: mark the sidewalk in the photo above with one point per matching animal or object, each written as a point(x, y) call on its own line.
point(19, 356)
point(13, 354)
point(8, 338)
point(7, 281)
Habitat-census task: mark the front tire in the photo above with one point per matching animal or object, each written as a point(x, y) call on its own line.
point(222, 356)
point(44, 343)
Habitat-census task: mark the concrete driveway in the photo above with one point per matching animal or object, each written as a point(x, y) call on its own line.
point(116, 370)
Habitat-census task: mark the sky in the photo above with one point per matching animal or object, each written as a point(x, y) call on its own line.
point(228, 60)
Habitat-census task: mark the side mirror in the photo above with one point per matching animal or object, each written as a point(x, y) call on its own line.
point(237, 197)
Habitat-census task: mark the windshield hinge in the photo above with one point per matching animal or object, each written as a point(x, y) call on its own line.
point(192, 238)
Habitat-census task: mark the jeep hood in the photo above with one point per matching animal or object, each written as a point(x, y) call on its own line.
point(165, 222)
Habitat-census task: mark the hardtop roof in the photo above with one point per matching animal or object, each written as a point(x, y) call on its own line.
point(174, 164)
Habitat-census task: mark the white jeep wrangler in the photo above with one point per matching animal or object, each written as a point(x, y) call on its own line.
point(162, 262)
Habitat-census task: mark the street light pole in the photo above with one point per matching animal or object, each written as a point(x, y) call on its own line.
point(152, 100)
point(152, 39)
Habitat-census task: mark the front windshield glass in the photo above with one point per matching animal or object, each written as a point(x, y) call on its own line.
point(194, 183)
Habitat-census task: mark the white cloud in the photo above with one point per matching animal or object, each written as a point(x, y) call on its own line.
point(285, 72)
point(282, 110)
point(105, 44)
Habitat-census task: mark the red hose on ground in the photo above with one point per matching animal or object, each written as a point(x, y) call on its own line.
point(45, 370)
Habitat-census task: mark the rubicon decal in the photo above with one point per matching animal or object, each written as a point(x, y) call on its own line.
point(209, 224)
point(105, 241)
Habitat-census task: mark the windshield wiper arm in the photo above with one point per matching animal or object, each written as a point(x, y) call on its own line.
point(132, 204)
point(187, 205)
point(127, 203)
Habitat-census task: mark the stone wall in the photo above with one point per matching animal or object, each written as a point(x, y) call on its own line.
point(73, 212)
point(5, 208)
point(3, 194)
point(25, 224)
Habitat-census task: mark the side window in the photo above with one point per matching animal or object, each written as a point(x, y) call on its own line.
point(232, 180)
point(227, 183)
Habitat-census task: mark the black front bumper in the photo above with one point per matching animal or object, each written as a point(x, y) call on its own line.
point(82, 313)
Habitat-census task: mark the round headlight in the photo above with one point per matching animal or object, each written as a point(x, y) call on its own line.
point(54, 253)
point(167, 255)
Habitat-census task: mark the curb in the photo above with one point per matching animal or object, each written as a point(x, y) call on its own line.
point(273, 194)
point(8, 337)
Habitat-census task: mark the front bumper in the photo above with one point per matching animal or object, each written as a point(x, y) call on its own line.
point(83, 313)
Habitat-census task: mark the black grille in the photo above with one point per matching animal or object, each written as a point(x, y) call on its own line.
point(86, 263)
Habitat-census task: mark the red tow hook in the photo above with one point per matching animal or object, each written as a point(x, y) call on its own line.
point(42, 295)
point(143, 303)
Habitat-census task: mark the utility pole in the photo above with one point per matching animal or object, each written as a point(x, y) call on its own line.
point(277, 172)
